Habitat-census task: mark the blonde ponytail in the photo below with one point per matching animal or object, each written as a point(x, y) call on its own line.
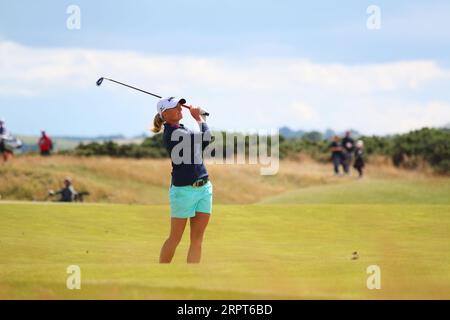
point(158, 121)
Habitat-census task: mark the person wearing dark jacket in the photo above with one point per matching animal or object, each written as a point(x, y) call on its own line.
point(3, 134)
point(336, 154)
point(359, 158)
point(348, 147)
point(5, 152)
point(68, 193)
point(191, 190)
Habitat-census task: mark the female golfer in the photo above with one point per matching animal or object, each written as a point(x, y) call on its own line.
point(190, 190)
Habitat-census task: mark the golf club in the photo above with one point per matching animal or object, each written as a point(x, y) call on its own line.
point(100, 81)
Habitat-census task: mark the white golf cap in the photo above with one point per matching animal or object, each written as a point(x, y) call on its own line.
point(168, 103)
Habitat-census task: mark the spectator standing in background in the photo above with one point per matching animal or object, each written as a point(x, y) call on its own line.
point(348, 147)
point(359, 158)
point(3, 134)
point(45, 144)
point(4, 152)
point(336, 154)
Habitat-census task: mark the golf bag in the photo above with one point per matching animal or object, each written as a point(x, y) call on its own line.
point(10, 142)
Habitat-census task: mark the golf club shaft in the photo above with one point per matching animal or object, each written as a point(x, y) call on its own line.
point(152, 94)
point(126, 85)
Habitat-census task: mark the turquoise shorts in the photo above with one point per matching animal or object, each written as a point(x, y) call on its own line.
point(187, 200)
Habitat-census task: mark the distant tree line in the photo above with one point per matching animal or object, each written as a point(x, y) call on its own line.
point(151, 147)
point(407, 150)
point(431, 145)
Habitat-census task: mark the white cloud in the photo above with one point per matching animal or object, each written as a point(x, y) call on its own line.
point(303, 111)
point(418, 115)
point(35, 69)
point(386, 116)
point(260, 92)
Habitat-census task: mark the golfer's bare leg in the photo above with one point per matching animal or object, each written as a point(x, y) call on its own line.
point(198, 226)
point(177, 226)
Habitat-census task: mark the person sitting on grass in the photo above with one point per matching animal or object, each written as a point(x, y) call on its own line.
point(68, 193)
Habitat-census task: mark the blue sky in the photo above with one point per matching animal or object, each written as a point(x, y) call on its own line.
point(253, 64)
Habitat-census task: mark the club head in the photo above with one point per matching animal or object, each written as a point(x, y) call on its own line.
point(99, 82)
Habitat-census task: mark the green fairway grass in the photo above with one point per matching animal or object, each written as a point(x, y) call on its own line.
point(286, 236)
point(297, 251)
point(371, 191)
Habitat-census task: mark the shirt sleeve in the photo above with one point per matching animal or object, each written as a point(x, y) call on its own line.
point(72, 189)
point(207, 137)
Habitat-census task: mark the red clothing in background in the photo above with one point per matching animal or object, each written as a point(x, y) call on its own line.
point(45, 143)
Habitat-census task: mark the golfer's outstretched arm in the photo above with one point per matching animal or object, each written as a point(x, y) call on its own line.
point(206, 136)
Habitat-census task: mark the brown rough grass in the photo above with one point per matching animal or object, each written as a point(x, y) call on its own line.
point(146, 181)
